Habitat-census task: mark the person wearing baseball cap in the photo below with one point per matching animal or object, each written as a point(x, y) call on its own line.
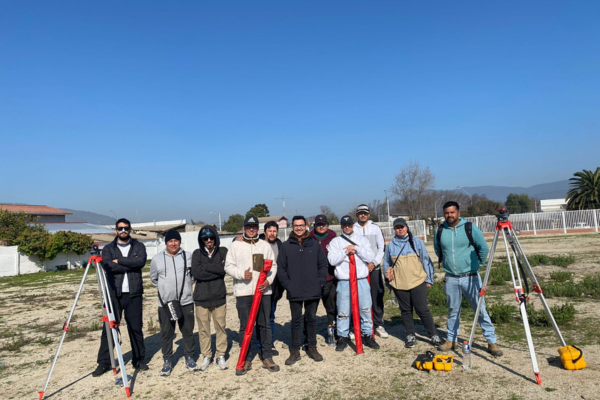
point(409, 269)
point(340, 247)
point(365, 227)
point(244, 263)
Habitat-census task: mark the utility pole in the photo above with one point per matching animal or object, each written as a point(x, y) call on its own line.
point(283, 198)
point(388, 205)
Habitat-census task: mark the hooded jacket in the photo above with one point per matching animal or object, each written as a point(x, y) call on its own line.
point(131, 265)
point(373, 233)
point(167, 274)
point(209, 272)
point(329, 235)
point(459, 256)
point(338, 257)
point(401, 247)
point(239, 260)
point(302, 268)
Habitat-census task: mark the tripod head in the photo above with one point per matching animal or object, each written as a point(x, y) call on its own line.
point(95, 250)
point(502, 214)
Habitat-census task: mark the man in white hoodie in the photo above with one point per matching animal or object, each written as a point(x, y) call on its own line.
point(243, 264)
point(339, 249)
point(365, 227)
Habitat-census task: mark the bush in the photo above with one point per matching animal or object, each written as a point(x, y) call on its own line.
point(538, 259)
point(500, 313)
point(563, 261)
point(499, 274)
point(591, 286)
point(542, 259)
point(562, 315)
point(565, 289)
point(561, 276)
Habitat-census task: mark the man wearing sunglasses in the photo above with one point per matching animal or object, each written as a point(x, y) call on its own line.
point(243, 264)
point(208, 269)
point(123, 260)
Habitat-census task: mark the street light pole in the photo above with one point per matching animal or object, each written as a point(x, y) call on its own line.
point(435, 205)
point(388, 205)
point(220, 228)
point(470, 198)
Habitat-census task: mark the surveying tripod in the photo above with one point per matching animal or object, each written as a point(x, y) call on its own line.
point(517, 260)
point(108, 317)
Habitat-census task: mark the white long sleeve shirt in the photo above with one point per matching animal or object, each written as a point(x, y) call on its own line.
point(373, 233)
point(239, 260)
point(340, 260)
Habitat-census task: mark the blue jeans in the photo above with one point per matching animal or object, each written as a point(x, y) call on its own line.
point(468, 286)
point(345, 309)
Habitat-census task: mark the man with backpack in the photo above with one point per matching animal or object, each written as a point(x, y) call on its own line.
point(462, 250)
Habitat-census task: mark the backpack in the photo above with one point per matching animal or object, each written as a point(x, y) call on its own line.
point(468, 231)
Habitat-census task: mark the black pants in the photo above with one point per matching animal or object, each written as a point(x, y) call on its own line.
point(133, 316)
point(329, 301)
point(415, 298)
point(377, 292)
point(243, 305)
point(186, 327)
point(310, 322)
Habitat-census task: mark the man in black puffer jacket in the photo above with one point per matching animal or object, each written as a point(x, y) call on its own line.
point(208, 269)
point(303, 273)
point(123, 260)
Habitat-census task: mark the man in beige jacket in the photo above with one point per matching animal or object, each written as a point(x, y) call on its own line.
point(243, 264)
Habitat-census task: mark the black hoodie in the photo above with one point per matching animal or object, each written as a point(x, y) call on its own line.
point(209, 273)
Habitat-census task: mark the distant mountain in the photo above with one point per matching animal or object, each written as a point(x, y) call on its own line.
point(86, 216)
point(544, 191)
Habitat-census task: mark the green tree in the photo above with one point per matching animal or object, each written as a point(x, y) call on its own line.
point(234, 223)
point(481, 205)
point(260, 210)
point(518, 203)
point(584, 193)
point(13, 225)
point(332, 218)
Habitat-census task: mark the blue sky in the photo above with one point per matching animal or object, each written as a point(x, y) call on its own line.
point(176, 109)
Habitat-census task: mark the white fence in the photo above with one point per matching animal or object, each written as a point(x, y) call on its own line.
point(541, 223)
point(12, 262)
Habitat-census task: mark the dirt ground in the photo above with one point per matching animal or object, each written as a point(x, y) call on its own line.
point(38, 311)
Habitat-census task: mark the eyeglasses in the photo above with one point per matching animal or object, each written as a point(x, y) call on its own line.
point(251, 227)
point(298, 226)
point(206, 239)
point(123, 229)
point(320, 225)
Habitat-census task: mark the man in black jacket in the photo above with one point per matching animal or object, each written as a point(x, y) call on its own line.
point(303, 272)
point(208, 269)
point(123, 260)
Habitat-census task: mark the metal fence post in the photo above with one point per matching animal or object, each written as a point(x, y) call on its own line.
point(596, 220)
point(533, 221)
point(564, 222)
point(424, 231)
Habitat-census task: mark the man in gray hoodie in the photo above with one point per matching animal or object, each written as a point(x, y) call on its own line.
point(170, 273)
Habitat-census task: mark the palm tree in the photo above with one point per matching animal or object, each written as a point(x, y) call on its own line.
point(585, 191)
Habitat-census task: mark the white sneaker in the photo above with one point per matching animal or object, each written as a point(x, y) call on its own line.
point(205, 364)
point(351, 335)
point(221, 363)
point(380, 331)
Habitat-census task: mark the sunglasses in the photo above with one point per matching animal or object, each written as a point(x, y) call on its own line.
point(123, 229)
point(206, 239)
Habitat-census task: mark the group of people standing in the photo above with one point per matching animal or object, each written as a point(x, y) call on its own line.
point(311, 266)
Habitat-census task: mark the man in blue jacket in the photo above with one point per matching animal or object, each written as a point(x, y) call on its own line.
point(462, 257)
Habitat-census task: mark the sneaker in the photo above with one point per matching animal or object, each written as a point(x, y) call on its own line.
point(294, 357)
point(351, 335)
point(247, 367)
point(411, 341)
point(269, 364)
point(494, 349)
point(341, 344)
point(314, 354)
point(448, 346)
point(205, 364)
point(221, 363)
point(190, 364)
point(100, 370)
point(380, 331)
point(167, 368)
point(370, 342)
point(436, 341)
point(274, 352)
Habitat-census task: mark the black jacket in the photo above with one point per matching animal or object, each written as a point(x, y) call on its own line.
point(302, 270)
point(276, 287)
point(131, 265)
point(209, 273)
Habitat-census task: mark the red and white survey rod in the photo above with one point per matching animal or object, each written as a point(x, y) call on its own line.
point(354, 304)
point(253, 311)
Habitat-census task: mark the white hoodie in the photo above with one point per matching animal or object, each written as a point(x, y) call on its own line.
point(339, 259)
point(239, 260)
point(373, 233)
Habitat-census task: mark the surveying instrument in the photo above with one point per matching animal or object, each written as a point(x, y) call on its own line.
point(108, 317)
point(515, 259)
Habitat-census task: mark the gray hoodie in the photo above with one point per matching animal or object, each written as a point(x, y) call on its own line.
point(166, 273)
